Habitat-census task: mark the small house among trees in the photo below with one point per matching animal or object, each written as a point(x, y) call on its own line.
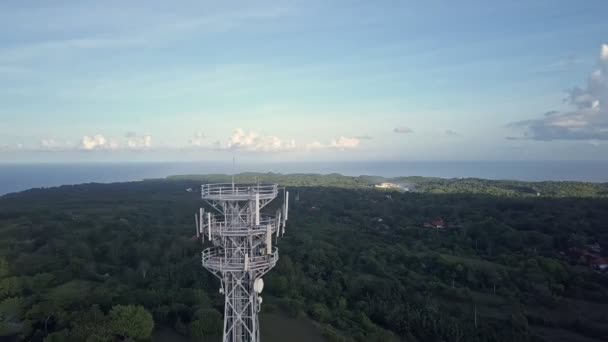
point(437, 223)
point(600, 264)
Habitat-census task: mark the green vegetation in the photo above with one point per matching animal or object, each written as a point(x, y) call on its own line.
point(497, 275)
point(303, 179)
point(504, 188)
point(111, 262)
point(102, 262)
point(131, 322)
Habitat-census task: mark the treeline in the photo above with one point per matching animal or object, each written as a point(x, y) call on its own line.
point(503, 188)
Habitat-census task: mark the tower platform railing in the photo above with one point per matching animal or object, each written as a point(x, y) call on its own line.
point(215, 260)
point(238, 192)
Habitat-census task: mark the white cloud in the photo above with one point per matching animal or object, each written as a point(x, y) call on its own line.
point(344, 143)
point(240, 140)
point(314, 146)
point(252, 141)
point(197, 139)
point(139, 142)
point(587, 121)
point(100, 142)
point(403, 130)
point(340, 143)
point(97, 142)
point(48, 143)
point(13, 147)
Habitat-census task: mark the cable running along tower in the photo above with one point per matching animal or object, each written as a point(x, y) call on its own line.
point(242, 251)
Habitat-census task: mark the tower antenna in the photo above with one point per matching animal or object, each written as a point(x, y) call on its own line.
point(233, 169)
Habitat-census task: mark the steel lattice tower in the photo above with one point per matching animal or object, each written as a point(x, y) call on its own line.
point(242, 249)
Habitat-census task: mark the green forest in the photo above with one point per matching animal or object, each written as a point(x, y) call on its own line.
point(509, 261)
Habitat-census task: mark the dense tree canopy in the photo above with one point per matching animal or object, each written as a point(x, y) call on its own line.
point(131, 321)
point(99, 262)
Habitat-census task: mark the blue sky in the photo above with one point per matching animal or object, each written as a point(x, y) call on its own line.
point(303, 80)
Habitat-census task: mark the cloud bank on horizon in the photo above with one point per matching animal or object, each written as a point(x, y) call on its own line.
point(239, 141)
point(302, 80)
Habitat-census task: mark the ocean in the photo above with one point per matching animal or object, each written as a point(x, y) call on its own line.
point(18, 177)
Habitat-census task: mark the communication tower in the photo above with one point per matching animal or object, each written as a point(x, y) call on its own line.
point(242, 249)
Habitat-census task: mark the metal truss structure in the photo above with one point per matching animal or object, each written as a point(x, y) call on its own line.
point(242, 249)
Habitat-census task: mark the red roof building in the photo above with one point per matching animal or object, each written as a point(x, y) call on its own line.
point(437, 223)
point(600, 264)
